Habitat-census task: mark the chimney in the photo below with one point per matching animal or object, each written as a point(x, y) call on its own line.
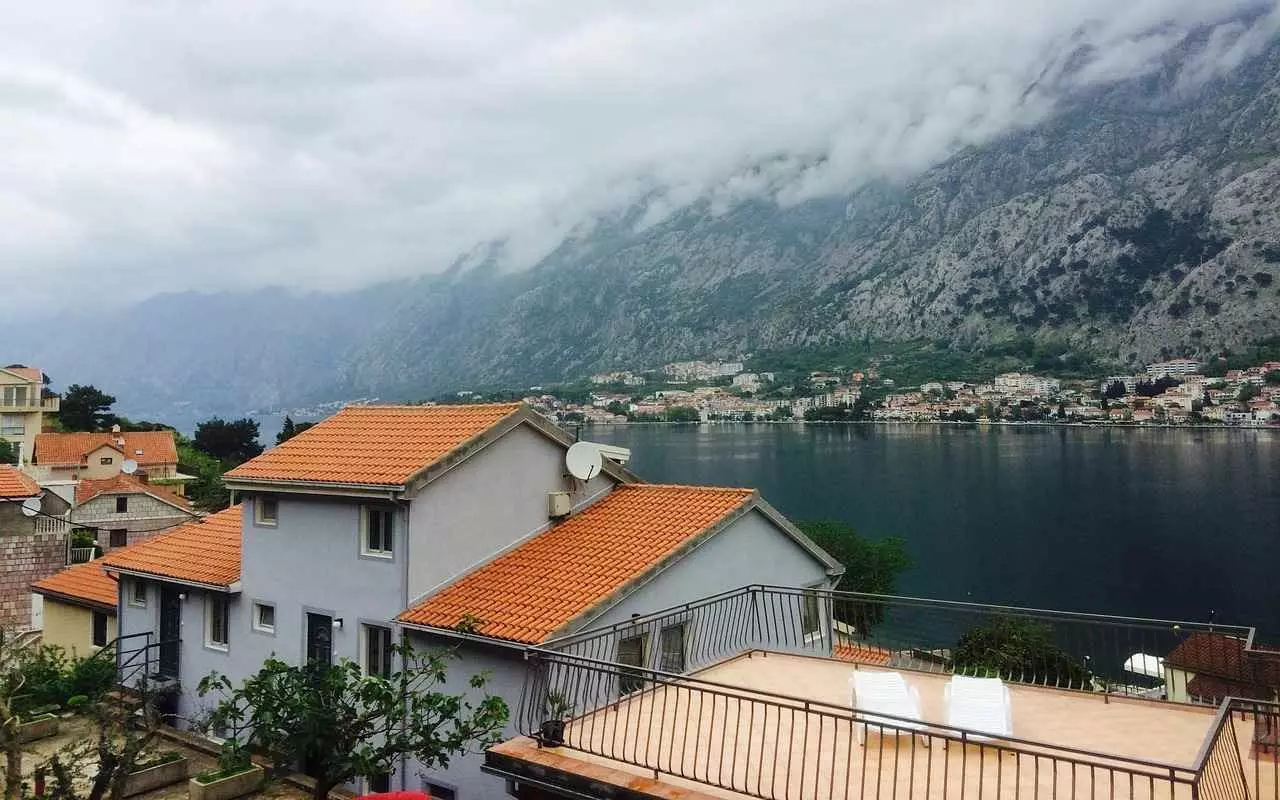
point(115, 428)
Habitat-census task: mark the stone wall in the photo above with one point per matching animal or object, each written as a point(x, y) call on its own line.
point(25, 557)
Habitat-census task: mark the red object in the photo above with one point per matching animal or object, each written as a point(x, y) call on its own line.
point(396, 796)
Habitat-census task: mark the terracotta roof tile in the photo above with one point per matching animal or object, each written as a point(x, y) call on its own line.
point(374, 445)
point(205, 552)
point(14, 483)
point(30, 373)
point(70, 449)
point(862, 654)
point(529, 593)
point(87, 489)
point(83, 582)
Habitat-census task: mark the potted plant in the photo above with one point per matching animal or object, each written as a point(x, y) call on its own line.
point(38, 723)
point(552, 728)
point(165, 768)
point(235, 775)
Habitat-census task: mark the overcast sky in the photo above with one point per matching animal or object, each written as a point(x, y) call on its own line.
point(207, 144)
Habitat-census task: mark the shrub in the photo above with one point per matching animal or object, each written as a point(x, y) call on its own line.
point(91, 677)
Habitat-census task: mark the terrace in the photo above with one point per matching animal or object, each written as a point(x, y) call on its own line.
point(747, 694)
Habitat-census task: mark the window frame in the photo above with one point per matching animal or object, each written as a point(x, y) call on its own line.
point(629, 682)
point(122, 504)
point(367, 641)
point(260, 519)
point(111, 537)
point(665, 659)
point(98, 620)
point(811, 610)
point(214, 600)
point(106, 461)
point(255, 621)
point(134, 586)
point(386, 549)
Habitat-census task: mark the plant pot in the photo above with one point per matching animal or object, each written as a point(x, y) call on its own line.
point(232, 786)
point(552, 733)
point(41, 727)
point(145, 780)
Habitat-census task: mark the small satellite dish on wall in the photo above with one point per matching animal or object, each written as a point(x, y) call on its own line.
point(129, 466)
point(31, 507)
point(583, 461)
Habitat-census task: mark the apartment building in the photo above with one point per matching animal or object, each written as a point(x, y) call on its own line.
point(23, 406)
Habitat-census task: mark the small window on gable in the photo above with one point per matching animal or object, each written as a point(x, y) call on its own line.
point(266, 511)
point(376, 538)
point(138, 597)
point(106, 460)
point(122, 505)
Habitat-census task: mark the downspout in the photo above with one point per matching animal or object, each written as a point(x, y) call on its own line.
point(404, 603)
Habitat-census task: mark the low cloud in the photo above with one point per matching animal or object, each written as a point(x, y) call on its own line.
point(170, 146)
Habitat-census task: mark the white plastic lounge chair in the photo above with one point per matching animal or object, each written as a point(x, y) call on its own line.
point(884, 693)
point(979, 704)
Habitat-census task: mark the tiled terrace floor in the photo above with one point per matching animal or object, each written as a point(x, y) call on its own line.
point(730, 744)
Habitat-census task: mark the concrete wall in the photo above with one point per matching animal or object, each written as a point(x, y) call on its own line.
point(32, 419)
point(495, 498)
point(70, 627)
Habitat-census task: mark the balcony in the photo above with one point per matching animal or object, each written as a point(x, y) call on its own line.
point(747, 694)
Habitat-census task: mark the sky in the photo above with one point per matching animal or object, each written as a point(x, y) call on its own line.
point(210, 145)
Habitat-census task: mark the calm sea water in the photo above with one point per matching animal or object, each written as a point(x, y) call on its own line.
point(1161, 523)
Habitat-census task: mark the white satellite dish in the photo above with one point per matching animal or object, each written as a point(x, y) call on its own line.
point(129, 466)
point(583, 461)
point(31, 507)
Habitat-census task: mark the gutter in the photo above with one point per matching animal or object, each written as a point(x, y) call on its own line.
point(232, 588)
point(474, 638)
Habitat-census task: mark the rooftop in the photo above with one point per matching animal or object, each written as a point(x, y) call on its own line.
point(148, 448)
point(205, 553)
point(531, 592)
point(16, 485)
point(87, 489)
point(84, 584)
point(374, 445)
point(29, 373)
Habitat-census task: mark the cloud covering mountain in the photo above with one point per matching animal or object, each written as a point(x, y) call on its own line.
point(331, 145)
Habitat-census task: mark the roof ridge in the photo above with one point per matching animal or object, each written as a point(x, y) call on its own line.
point(689, 486)
point(416, 406)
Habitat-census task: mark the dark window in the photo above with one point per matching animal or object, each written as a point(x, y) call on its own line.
point(380, 783)
point(631, 653)
point(119, 537)
point(439, 792)
point(105, 460)
point(320, 638)
point(810, 618)
point(99, 629)
point(216, 634)
point(377, 531)
point(377, 651)
point(122, 505)
point(267, 510)
point(672, 649)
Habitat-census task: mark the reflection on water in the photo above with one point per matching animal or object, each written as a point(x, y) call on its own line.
point(1158, 522)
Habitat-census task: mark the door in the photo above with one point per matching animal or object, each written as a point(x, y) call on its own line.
point(170, 629)
point(320, 638)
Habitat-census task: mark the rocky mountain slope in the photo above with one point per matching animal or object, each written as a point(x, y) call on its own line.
point(1142, 220)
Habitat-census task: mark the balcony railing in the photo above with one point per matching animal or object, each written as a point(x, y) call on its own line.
point(628, 693)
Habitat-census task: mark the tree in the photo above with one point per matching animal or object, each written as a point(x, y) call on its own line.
point(86, 408)
point(1272, 378)
point(682, 414)
point(344, 724)
point(1115, 390)
point(1019, 649)
point(11, 682)
point(232, 441)
point(8, 453)
point(1248, 391)
point(872, 566)
point(287, 431)
point(207, 491)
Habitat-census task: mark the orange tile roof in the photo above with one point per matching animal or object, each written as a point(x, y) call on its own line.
point(374, 445)
point(30, 373)
point(54, 449)
point(83, 582)
point(862, 654)
point(206, 552)
point(531, 592)
point(87, 489)
point(14, 483)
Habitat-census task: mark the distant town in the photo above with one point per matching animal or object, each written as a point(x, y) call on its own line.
point(1174, 392)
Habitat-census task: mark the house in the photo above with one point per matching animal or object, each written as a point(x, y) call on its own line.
point(23, 406)
point(77, 456)
point(32, 545)
point(444, 525)
point(125, 509)
point(78, 608)
point(1209, 666)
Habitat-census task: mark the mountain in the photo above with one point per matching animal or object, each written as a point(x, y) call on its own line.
point(1141, 220)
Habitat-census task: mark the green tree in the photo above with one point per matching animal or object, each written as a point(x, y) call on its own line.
point(872, 566)
point(287, 431)
point(1272, 378)
point(682, 414)
point(345, 725)
point(207, 491)
point(1115, 390)
point(86, 408)
point(234, 441)
point(1248, 391)
point(1018, 649)
point(8, 453)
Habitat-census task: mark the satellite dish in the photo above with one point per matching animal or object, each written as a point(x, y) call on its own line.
point(583, 461)
point(129, 466)
point(31, 507)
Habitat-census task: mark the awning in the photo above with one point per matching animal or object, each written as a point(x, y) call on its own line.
point(1145, 664)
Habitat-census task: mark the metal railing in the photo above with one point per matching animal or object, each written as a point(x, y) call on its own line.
point(1089, 652)
point(1240, 758)
point(81, 555)
point(778, 747)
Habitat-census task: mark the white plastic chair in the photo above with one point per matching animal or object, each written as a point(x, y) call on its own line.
point(884, 693)
point(980, 705)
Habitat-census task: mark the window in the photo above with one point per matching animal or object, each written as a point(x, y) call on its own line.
point(266, 511)
point(138, 598)
point(119, 537)
point(14, 395)
point(810, 616)
point(380, 783)
point(671, 653)
point(215, 621)
point(12, 425)
point(377, 651)
point(377, 539)
point(439, 792)
point(631, 652)
point(264, 617)
point(122, 505)
point(105, 460)
point(99, 629)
